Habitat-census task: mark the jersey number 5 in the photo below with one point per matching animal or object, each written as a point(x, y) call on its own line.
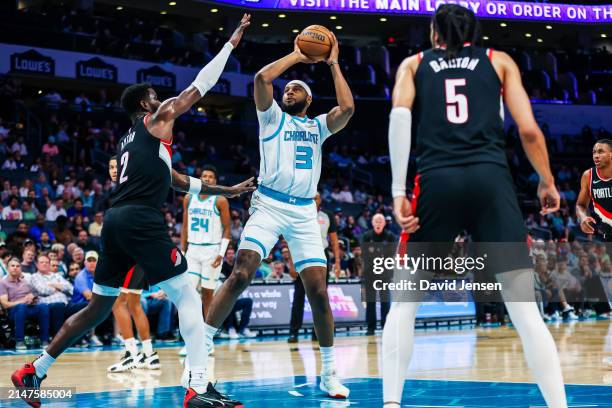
point(456, 103)
point(124, 161)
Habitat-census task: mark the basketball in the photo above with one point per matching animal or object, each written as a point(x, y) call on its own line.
point(315, 42)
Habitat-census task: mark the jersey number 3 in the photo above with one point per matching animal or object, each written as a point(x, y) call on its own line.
point(125, 157)
point(456, 103)
point(303, 157)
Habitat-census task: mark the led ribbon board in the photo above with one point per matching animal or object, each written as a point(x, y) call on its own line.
point(509, 10)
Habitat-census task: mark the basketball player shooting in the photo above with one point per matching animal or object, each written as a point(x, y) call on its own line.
point(454, 91)
point(290, 144)
point(134, 232)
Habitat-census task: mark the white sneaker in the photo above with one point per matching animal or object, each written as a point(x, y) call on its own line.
point(572, 316)
point(232, 334)
point(607, 362)
point(183, 351)
point(127, 363)
point(248, 334)
point(95, 341)
point(151, 362)
point(330, 384)
point(223, 335)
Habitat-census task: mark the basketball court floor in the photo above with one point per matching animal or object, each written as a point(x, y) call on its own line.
point(451, 367)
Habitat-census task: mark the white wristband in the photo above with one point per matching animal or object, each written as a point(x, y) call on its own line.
point(224, 244)
point(195, 185)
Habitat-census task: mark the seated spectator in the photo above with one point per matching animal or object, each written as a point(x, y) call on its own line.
point(278, 273)
point(39, 227)
point(50, 148)
point(28, 212)
point(77, 209)
point(18, 298)
point(73, 270)
point(567, 282)
point(95, 228)
point(59, 249)
point(5, 255)
point(45, 243)
point(234, 329)
point(63, 235)
point(83, 241)
point(52, 289)
point(56, 210)
point(28, 265)
point(9, 164)
point(155, 302)
point(228, 262)
point(12, 212)
point(78, 256)
point(83, 287)
point(20, 147)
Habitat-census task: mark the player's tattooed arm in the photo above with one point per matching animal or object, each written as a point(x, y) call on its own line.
point(339, 116)
point(182, 183)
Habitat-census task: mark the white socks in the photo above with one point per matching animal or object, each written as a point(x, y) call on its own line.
point(147, 347)
point(328, 364)
point(397, 341)
point(43, 363)
point(131, 346)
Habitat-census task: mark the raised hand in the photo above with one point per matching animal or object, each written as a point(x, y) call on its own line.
point(335, 50)
point(237, 35)
point(301, 57)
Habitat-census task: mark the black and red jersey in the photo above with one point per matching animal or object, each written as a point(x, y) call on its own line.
point(601, 197)
point(144, 168)
point(458, 109)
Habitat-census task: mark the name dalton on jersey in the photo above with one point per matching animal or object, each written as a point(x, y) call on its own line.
point(457, 63)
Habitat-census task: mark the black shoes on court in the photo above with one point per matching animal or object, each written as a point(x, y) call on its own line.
point(211, 398)
point(26, 377)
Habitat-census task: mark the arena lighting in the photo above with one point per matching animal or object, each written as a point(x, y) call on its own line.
point(282, 16)
point(214, 10)
point(332, 17)
point(604, 36)
point(40, 91)
point(503, 25)
point(163, 12)
point(549, 27)
point(540, 40)
point(220, 28)
point(528, 35)
point(119, 8)
point(383, 19)
point(485, 38)
point(338, 27)
point(295, 31)
point(172, 3)
point(265, 25)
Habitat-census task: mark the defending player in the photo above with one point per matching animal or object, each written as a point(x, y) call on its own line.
point(134, 232)
point(454, 91)
point(128, 306)
point(290, 145)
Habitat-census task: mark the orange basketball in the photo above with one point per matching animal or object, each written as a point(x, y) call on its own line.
point(315, 42)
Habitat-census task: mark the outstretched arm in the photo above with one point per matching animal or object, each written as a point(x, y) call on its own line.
point(264, 92)
point(192, 185)
point(338, 117)
point(171, 108)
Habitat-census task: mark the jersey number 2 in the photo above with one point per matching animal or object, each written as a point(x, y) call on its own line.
point(124, 161)
point(456, 103)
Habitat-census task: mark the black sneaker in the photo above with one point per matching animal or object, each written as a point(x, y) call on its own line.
point(211, 398)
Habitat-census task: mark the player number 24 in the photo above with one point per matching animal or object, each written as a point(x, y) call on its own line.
point(456, 103)
point(198, 223)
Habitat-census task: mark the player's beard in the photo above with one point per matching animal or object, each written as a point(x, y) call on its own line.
point(295, 108)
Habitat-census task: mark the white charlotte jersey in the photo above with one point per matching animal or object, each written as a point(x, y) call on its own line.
point(291, 151)
point(204, 221)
